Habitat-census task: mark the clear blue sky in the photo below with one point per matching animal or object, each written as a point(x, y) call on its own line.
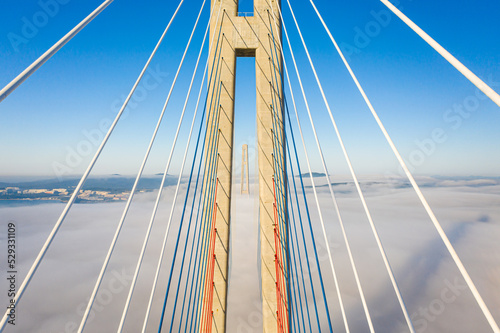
point(413, 88)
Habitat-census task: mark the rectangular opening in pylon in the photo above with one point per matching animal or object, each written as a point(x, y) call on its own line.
point(244, 114)
point(245, 7)
point(244, 293)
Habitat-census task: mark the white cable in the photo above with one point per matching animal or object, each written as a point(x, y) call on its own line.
point(486, 89)
point(426, 205)
point(153, 288)
point(160, 190)
point(362, 198)
point(138, 177)
point(72, 199)
point(310, 173)
point(303, 143)
point(9, 88)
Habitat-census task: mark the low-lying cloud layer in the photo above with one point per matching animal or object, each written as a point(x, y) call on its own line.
point(433, 289)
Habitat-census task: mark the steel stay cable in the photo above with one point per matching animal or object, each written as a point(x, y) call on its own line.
point(277, 166)
point(298, 207)
point(199, 250)
point(84, 177)
point(344, 233)
point(198, 235)
point(206, 323)
point(196, 266)
point(304, 195)
point(312, 286)
point(279, 301)
point(209, 190)
point(205, 217)
point(276, 139)
point(294, 280)
point(295, 271)
point(177, 242)
point(283, 138)
point(283, 174)
point(203, 227)
point(278, 170)
point(278, 221)
point(337, 286)
point(196, 240)
point(190, 219)
point(178, 237)
point(207, 280)
point(129, 201)
point(297, 241)
point(296, 255)
point(307, 209)
point(205, 197)
point(175, 251)
point(195, 237)
point(164, 244)
point(473, 78)
point(310, 229)
point(415, 186)
point(207, 233)
point(160, 190)
point(18, 80)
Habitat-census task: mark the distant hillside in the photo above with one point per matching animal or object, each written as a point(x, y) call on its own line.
point(314, 174)
point(114, 183)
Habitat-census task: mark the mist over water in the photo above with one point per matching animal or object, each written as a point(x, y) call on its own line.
point(432, 287)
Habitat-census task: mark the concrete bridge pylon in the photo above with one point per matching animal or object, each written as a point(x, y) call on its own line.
point(257, 36)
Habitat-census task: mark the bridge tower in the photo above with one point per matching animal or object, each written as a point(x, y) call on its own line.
point(257, 36)
point(245, 184)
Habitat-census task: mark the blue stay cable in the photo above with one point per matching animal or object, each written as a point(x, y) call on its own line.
point(283, 123)
point(201, 251)
point(196, 236)
point(190, 223)
point(197, 251)
point(198, 248)
point(295, 271)
point(181, 223)
point(312, 236)
point(199, 237)
point(180, 227)
point(186, 243)
point(207, 218)
point(299, 277)
point(212, 165)
point(279, 196)
point(280, 137)
point(294, 231)
point(305, 245)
